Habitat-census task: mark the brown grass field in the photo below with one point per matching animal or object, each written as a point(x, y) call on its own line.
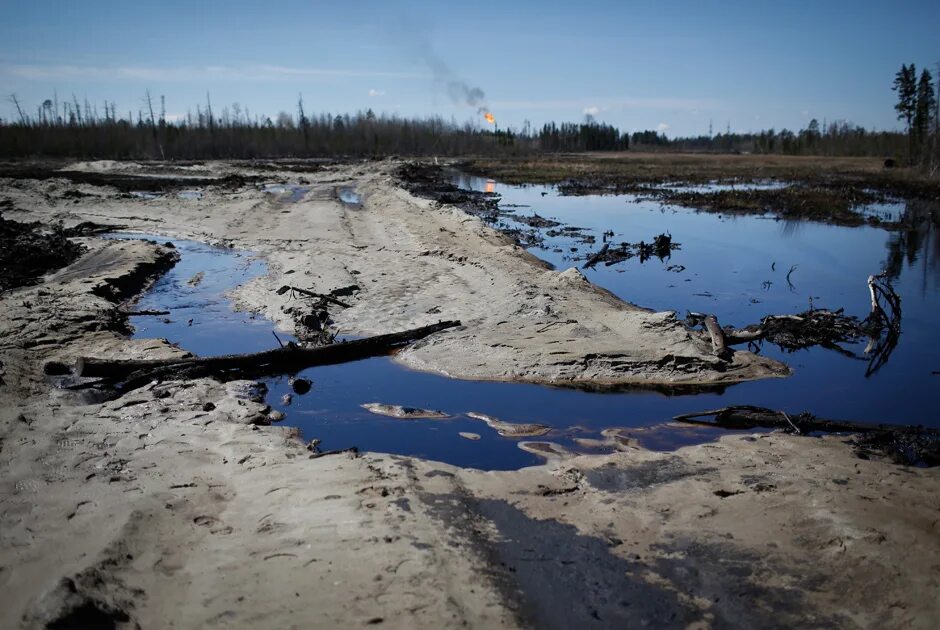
point(635, 167)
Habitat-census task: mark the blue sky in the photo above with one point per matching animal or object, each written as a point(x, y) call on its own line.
point(638, 65)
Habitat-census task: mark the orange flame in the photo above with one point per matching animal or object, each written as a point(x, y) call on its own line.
point(490, 118)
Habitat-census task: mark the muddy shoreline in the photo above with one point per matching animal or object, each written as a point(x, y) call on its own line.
point(826, 190)
point(156, 509)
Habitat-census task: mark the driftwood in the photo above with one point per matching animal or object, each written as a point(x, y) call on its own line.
point(135, 373)
point(820, 327)
point(905, 444)
point(710, 323)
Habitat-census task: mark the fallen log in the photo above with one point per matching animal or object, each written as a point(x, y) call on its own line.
point(749, 417)
point(904, 444)
point(279, 360)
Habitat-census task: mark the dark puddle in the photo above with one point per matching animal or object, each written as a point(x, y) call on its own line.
point(737, 268)
point(553, 576)
point(331, 411)
point(288, 193)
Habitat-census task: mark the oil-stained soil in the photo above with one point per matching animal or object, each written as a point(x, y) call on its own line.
point(171, 507)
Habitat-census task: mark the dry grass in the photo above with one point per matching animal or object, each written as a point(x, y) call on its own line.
point(630, 167)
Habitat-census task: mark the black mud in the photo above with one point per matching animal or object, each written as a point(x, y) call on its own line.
point(30, 250)
point(122, 182)
point(552, 576)
point(430, 181)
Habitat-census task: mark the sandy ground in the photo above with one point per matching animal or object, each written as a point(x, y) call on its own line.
point(160, 510)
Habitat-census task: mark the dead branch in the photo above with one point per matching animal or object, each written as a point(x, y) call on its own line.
point(822, 327)
point(278, 361)
point(597, 257)
point(322, 296)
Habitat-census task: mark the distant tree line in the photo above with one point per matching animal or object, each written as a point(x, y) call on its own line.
point(71, 129)
point(837, 138)
point(587, 136)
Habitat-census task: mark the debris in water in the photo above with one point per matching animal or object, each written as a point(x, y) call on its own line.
point(661, 247)
point(196, 279)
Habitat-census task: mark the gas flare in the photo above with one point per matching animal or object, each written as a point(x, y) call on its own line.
point(490, 118)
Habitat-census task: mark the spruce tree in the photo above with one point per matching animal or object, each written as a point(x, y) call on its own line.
point(905, 84)
point(924, 108)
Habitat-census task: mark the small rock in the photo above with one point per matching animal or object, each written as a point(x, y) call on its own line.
point(196, 279)
point(208, 406)
point(300, 385)
point(286, 399)
point(276, 416)
point(469, 436)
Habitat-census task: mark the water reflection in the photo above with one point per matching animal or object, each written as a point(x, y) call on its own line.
point(741, 268)
point(915, 243)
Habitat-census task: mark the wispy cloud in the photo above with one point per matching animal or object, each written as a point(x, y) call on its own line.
point(593, 110)
point(373, 93)
point(614, 103)
point(254, 72)
point(662, 127)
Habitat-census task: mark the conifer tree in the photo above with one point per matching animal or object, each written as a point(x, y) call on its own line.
point(905, 84)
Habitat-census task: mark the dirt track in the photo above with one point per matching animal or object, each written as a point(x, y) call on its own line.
point(159, 510)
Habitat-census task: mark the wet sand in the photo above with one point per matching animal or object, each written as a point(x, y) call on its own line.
point(160, 509)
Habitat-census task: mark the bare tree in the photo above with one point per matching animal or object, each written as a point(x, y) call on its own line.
point(153, 126)
point(19, 110)
point(303, 122)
